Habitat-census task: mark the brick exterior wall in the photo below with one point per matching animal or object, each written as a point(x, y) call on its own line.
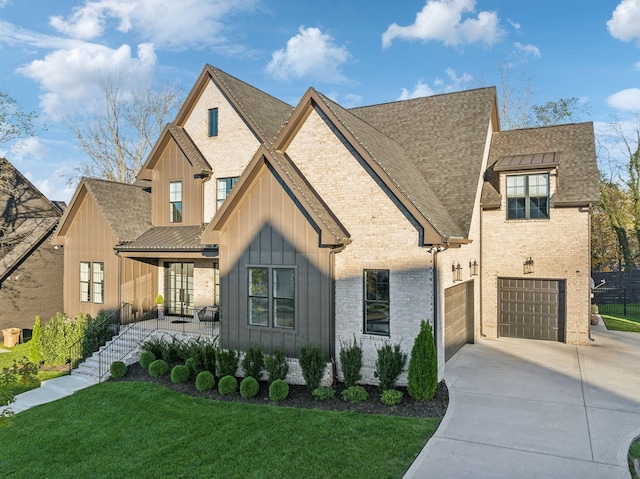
point(229, 152)
point(383, 238)
point(560, 250)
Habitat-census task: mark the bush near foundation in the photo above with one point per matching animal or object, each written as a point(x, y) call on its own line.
point(351, 362)
point(146, 358)
point(276, 365)
point(158, 368)
point(355, 394)
point(227, 385)
point(118, 369)
point(205, 381)
point(249, 387)
point(279, 390)
point(226, 362)
point(423, 365)
point(253, 362)
point(312, 364)
point(389, 365)
point(180, 374)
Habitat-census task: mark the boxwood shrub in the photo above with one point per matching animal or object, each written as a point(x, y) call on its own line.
point(355, 394)
point(249, 387)
point(146, 358)
point(279, 390)
point(391, 397)
point(227, 385)
point(158, 368)
point(324, 393)
point(205, 381)
point(118, 369)
point(180, 374)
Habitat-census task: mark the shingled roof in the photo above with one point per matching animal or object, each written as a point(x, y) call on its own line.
point(125, 207)
point(445, 138)
point(574, 147)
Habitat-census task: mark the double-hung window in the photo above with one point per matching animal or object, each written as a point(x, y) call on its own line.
point(224, 186)
point(175, 202)
point(528, 196)
point(91, 282)
point(85, 281)
point(376, 301)
point(272, 297)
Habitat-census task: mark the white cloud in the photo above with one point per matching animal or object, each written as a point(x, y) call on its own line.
point(441, 20)
point(454, 83)
point(626, 100)
point(55, 187)
point(28, 147)
point(625, 21)
point(71, 77)
point(187, 24)
point(526, 50)
point(309, 54)
point(514, 24)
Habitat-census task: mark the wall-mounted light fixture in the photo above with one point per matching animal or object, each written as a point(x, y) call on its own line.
point(456, 269)
point(473, 267)
point(528, 265)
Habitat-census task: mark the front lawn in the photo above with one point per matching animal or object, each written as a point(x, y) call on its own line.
point(17, 352)
point(621, 323)
point(132, 429)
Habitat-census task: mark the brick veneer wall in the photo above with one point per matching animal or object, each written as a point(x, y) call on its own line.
point(560, 250)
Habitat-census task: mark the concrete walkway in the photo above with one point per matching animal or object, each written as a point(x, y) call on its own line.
point(532, 409)
point(49, 390)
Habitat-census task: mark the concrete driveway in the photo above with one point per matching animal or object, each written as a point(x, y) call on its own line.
point(536, 409)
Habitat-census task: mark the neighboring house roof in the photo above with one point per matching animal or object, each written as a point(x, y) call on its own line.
point(125, 207)
point(445, 136)
point(186, 145)
point(166, 238)
point(264, 114)
point(574, 155)
point(27, 217)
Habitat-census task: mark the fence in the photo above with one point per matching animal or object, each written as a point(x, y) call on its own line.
point(617, 298)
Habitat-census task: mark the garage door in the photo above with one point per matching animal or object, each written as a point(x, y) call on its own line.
point(458, 318)
point(531, 308)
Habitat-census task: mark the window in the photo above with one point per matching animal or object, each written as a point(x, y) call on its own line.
point(85, 278)
point(528, 196)
point(224, 187)
point(98, 283)
point(376, 301)
point(213, 122)
point(175, 202)
point(272, 297)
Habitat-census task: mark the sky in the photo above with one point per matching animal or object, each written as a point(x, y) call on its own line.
point(358, 52)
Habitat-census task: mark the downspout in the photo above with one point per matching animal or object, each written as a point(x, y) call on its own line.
point(434, 251)
point(332, 300)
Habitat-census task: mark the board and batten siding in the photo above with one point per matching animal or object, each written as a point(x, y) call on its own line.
point(267, 228)
point(89, 238)
point(174, 166)
point(139, 284)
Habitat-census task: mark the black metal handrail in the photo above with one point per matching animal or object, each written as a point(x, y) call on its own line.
point(78, 352)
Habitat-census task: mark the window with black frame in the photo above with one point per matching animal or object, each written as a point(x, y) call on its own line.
point(528, 196)
point(376, 301)
point(272, 297)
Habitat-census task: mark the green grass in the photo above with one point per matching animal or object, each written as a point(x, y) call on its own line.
point(621, 323)
point(131, 429)
point(634, 453)
point(18, 352)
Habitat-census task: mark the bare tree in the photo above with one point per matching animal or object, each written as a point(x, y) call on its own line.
point(14, 123)
point(118, 133)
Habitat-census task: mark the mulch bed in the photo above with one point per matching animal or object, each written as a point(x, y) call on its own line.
point(300, 397)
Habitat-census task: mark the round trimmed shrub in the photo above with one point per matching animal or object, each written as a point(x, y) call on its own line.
point(279, 390)
point(158, 368)
point(249, 387)
point(324, 393)
point(146, 358)
point(118, 369)
point(192, 364)
point(227, 385)
point(205, 381)
point(180, 374)
point(391, 397)
point(355, 394)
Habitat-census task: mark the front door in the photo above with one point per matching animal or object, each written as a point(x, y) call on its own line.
point(179, 288)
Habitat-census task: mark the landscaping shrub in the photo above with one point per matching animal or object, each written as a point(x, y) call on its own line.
point(158, 368)
point(180, 374)
point(351, 361)
point(391, 397)
point(203, 353)
point(58, 337)
point(118, 369)
point(226, 362)
point(173, 350)
point(312, 363)
point(253, 362)
point(249, 387)
point(23, 371)
point(205, 381)
point(423, 365)
point(191, 363)
point(276, 365)
point(389, 365)
point(35, 354)
point(279, 390)
point(227, 385)
point(324, 393)
point(146, 358)
point(98, 332)
point(355, 394)
point(154, 344)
